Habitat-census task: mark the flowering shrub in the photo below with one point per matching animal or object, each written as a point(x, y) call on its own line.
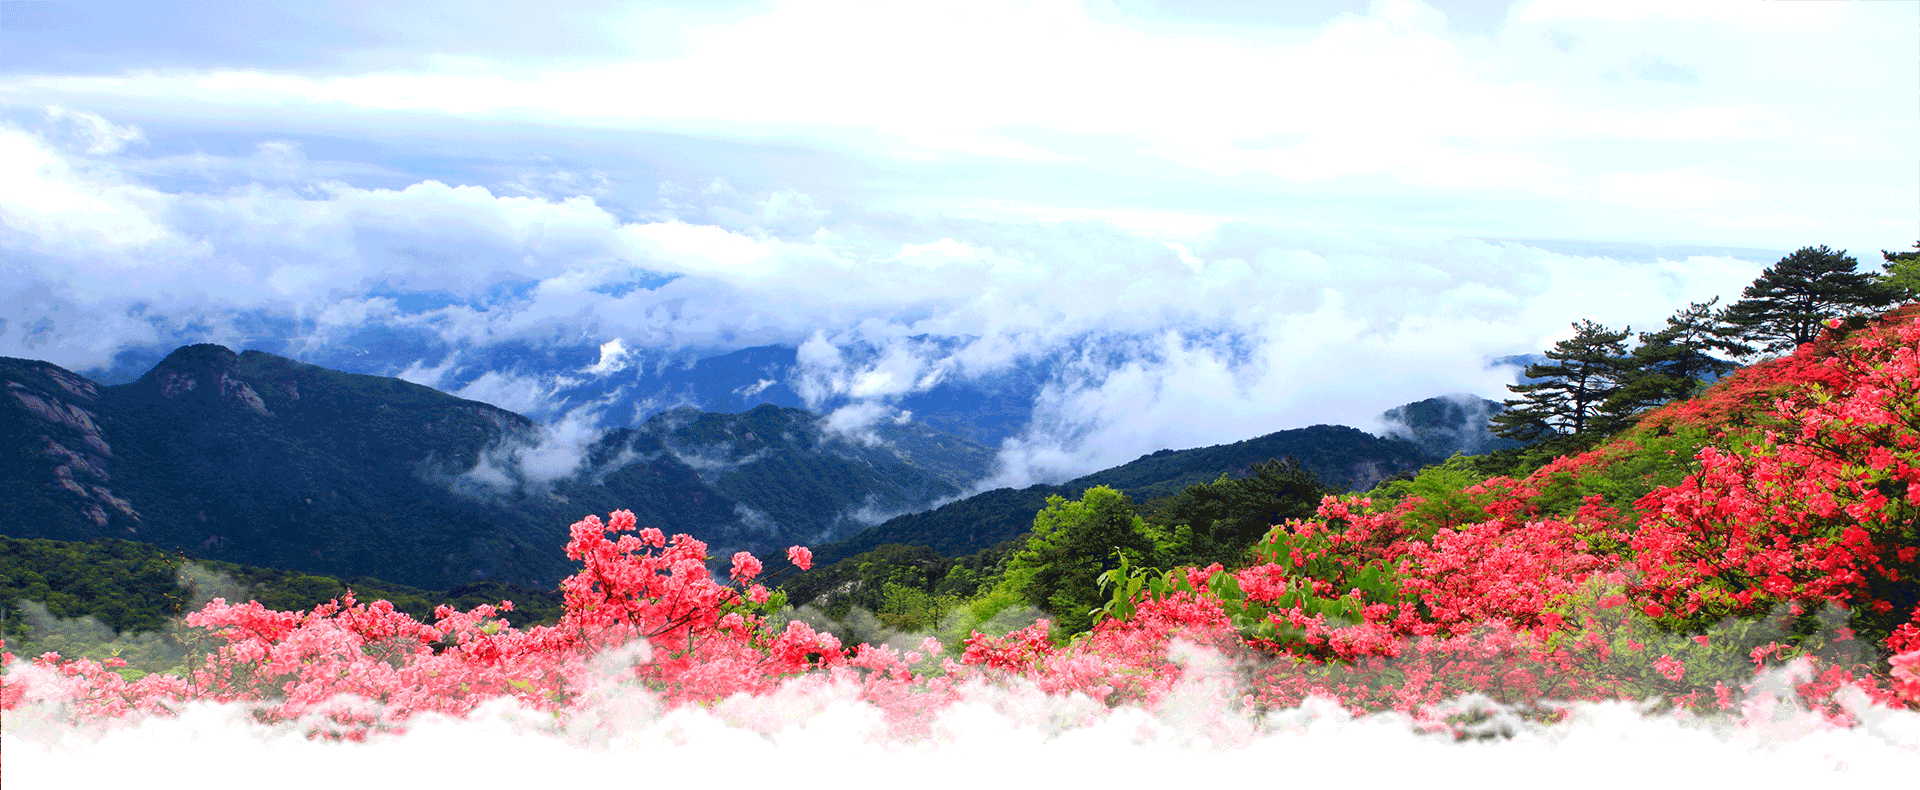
point(364, 666)
point(1803, 526)
point(1816, 505)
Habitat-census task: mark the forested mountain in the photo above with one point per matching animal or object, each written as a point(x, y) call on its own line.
point(1448, 424)
point(258, 459)
point(789, 477)
point(254, 458)
point(1342, 457)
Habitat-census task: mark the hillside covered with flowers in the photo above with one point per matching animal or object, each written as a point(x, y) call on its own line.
point(1768, 523)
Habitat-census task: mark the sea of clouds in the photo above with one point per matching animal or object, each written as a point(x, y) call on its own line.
point(1145, 342)
point(1198, 229)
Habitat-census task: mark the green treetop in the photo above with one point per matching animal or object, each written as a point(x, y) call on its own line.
point(1670, 364)
point(1902, 272)
point(1791, 301)
point(1219, 521)
point(1072, 544)
point(1568, 393)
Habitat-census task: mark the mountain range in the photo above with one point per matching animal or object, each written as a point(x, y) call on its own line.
point(258, 459)
point(627, 386)
point(622, 386)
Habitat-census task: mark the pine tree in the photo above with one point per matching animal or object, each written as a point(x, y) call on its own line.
point(1902, 272)
point(1568, 393)
point(1670, 364)
point(1790, 301)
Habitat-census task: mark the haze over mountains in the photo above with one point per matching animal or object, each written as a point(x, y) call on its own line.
point(258, 459)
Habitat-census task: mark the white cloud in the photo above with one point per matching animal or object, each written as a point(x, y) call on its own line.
point(699, 246)
point(94, 134)
point(614, 356)
point(532, 463)
point(1057, 741)
point(1384, 93)
point(932, 255)
point(1414, 313)
point(870, 512)
point(1393, 333)
point(755, 521)
point(419, 372)
point(529, 396)
point(855, 421)
point(55, 203)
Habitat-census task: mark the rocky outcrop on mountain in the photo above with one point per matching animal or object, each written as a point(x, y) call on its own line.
point(57, 440)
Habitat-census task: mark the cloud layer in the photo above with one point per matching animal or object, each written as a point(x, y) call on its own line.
point(1179, 232)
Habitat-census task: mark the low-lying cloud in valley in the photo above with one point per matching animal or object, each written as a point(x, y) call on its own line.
point(531, 462)
point(1145, 345)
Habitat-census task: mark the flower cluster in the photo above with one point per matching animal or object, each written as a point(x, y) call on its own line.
point(369, 666)
point(1817, 504)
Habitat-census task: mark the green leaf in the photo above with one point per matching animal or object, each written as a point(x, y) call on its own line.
point(1224, 585)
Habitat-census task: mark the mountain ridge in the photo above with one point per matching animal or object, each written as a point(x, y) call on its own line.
point(254, 458)
point(1338, 455)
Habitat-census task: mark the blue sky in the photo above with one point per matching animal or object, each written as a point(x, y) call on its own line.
point(1263, 215)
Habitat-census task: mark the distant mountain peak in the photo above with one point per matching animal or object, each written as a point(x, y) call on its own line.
point(1448, 424)
point(201, 353)
point(205, 373)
